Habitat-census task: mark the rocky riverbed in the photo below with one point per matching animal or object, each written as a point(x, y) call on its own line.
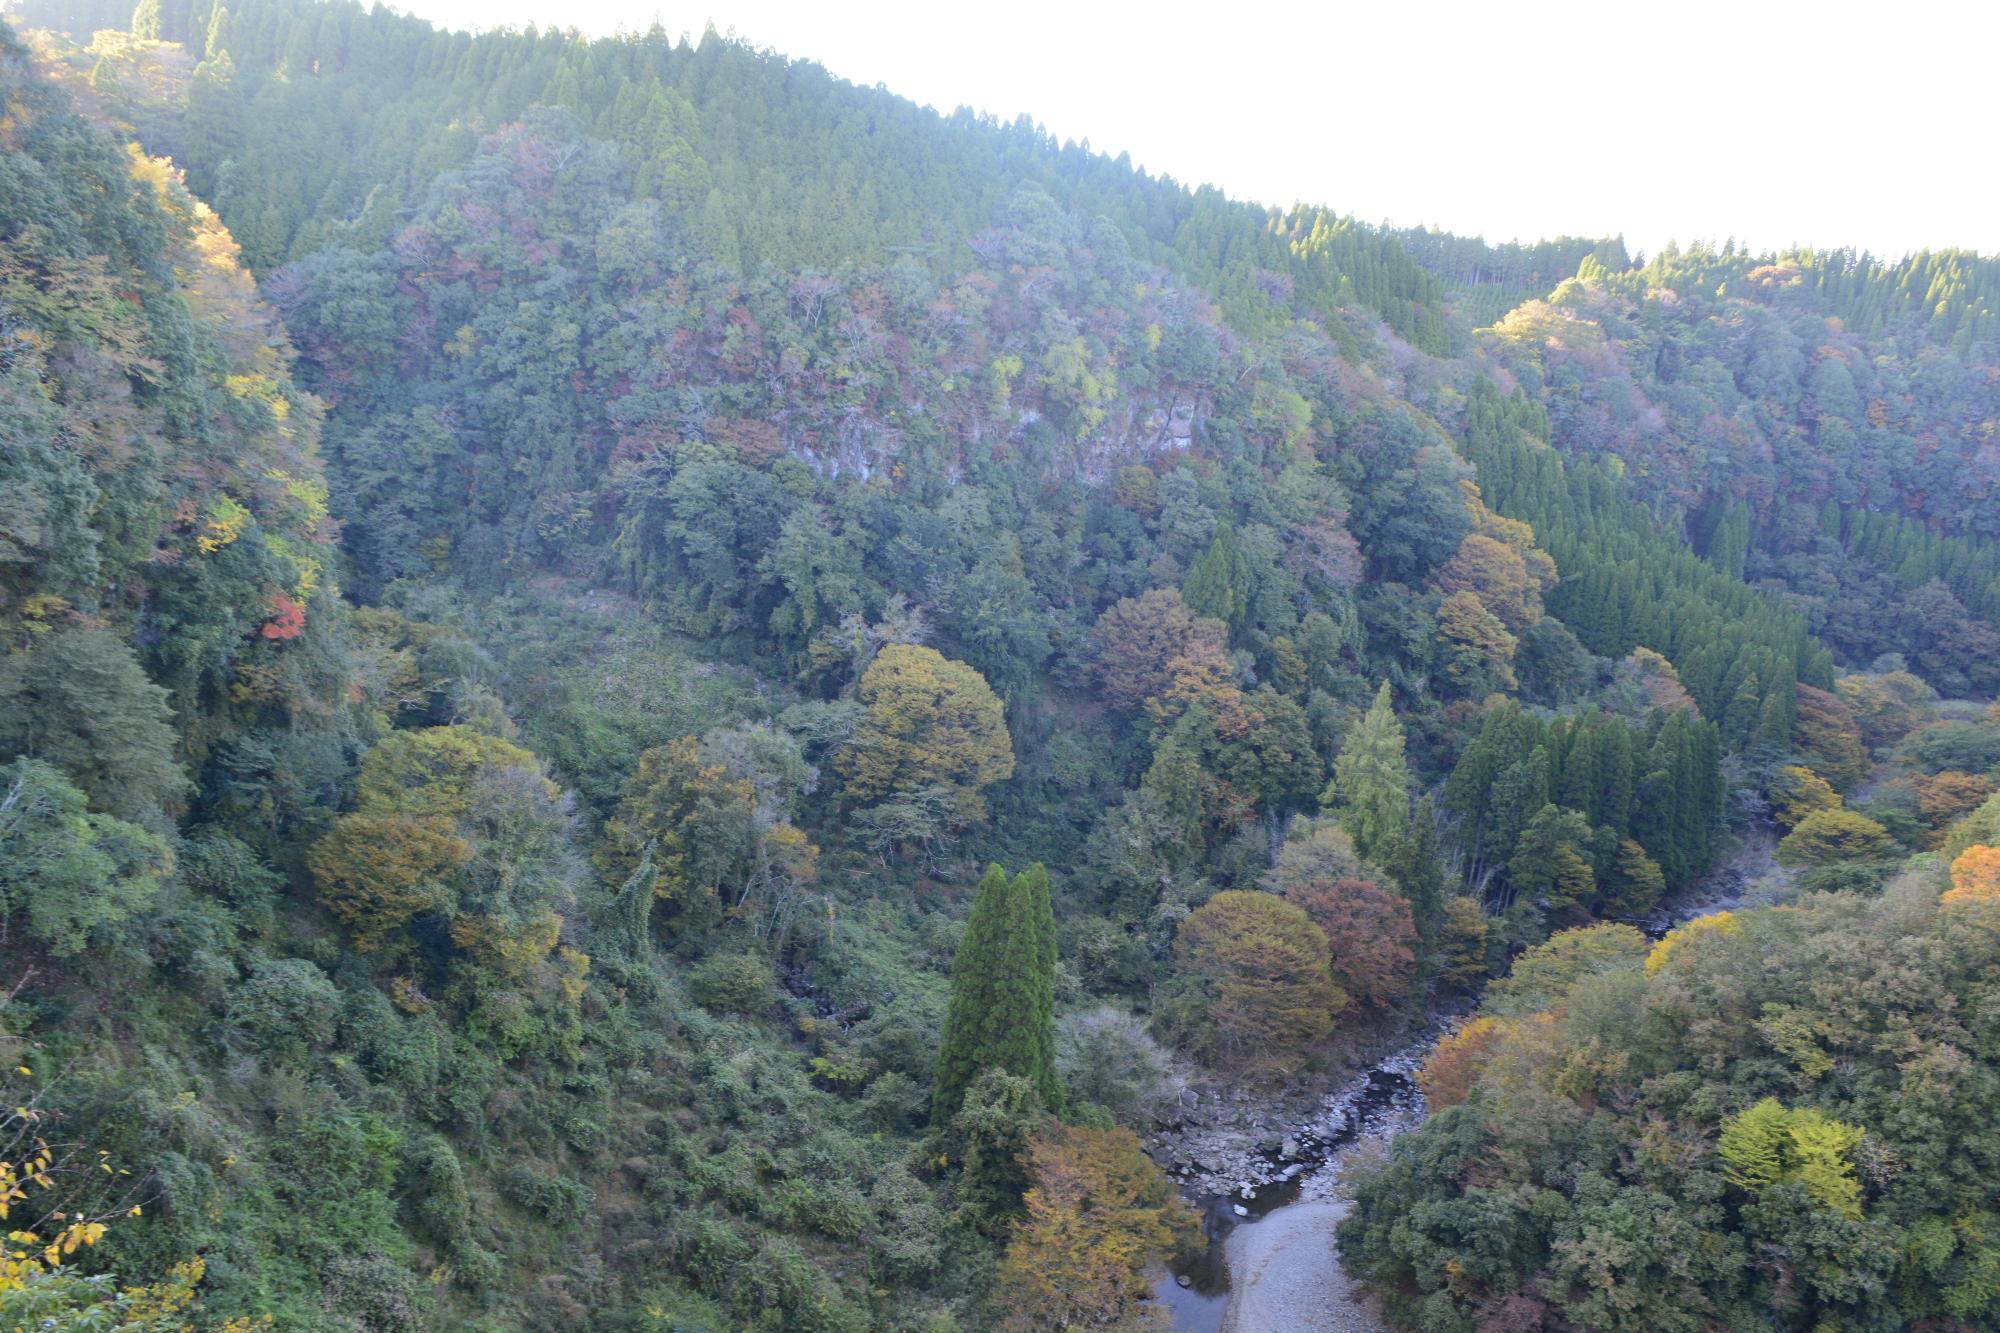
point(1223, 1142)
point(1266, 1172)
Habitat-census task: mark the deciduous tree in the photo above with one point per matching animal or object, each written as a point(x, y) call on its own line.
point(376, 872)
point(929, 721)
point(1370, 932)
point(1830, 836)
point(1797, 792)
point(1137, 639)
point(1827, 733)
point(1498, 576)
point(1099, 1217)
point(1770, 1142)
point(1266, 969)
point(1975, 876)
point(1454, 1064)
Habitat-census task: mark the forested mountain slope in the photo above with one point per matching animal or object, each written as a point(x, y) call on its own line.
point(312, 125)
point(513, 720)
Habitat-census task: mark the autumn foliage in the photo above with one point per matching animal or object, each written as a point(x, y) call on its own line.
point(698, 820)
point(1944, 797)
point(1137, 641)
point(930, 722)
point(1454, 1063)
point(1370, 931)
point(1975, 876)
point(433, 807)
point(376, 872)
point(288, 617)
point(1099, 1216)
point(1498, 576)
point(1268, 974)
point(1796, 792)
point(1690, 936)
point(1771, 1143)
point(1826, 837)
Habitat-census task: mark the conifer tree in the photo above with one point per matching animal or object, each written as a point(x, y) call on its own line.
point(1215, 580)
point(218, 31)
point(1418, 870)
point(1002, 1011)
point(1371, 781)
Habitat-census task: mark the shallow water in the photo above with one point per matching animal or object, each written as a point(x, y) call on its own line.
point(1376, 1104)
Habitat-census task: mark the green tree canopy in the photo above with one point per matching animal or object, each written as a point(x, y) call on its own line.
point(1371, 780)
point(1002, 1010)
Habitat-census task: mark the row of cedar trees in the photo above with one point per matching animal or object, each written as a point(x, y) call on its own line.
point(1585, 811)
point(1629, 584)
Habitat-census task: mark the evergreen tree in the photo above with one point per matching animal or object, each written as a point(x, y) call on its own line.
point(1215, 581)
point(1371, 781)
point(1417, 867)
point(1548, 863)
point(81, 702)
point(146, 20)
point(218, 32)
point(1002, 1010)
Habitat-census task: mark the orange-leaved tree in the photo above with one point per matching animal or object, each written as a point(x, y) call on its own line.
point(1454, 1064)
point(1137, 639)
point(1498, 576)
point(1950, 795)
point(1975, 875)
point(1370, 932)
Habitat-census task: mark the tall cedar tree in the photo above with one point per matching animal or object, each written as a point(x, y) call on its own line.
point(1371, 781)
point(1002, 1012)
point(1417, 867)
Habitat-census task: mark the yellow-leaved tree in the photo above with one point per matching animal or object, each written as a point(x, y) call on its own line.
point(930, 725)
point(1099, 1216)
point(1716, 925)
point(709, 818)
point(459, 826)
point(1798, 793)
point(58, 1200)
point(1770, 1143)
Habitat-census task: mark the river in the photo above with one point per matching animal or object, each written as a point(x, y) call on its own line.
point(1270, 1234)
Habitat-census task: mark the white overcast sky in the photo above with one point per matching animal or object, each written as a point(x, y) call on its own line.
point(1776, 123)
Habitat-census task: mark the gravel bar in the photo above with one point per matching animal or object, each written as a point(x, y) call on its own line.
point(1284, 1276)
